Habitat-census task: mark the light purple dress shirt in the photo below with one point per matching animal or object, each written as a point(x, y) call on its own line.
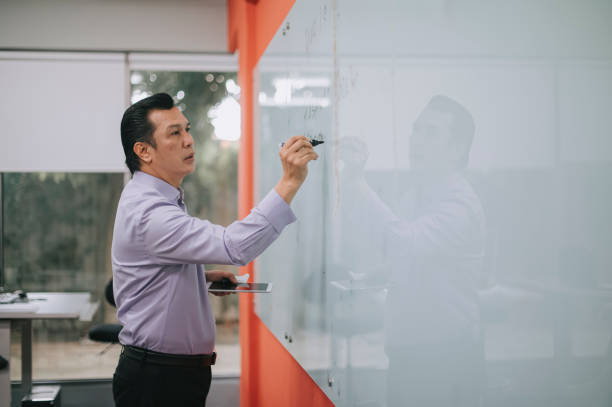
point(157, 254)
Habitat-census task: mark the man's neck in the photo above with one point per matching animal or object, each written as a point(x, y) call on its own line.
point(176, 183)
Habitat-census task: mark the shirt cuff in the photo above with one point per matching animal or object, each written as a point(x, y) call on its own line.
point(276, 211)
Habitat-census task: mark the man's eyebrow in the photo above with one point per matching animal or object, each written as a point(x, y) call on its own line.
point(178, 125)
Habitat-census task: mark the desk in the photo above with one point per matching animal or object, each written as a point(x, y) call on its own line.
point(40, 306)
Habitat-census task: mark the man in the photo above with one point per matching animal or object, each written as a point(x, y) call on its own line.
point(158, 252)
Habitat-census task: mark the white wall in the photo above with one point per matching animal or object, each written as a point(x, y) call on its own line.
point(135, 25)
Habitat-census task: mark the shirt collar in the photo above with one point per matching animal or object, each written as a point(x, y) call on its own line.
point(172, 194)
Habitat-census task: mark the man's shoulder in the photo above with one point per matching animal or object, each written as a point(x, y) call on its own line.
point(137, 196)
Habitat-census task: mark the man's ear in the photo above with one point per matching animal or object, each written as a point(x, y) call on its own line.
point(143, 151)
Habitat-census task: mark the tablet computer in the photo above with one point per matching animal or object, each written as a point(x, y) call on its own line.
point(219, 286)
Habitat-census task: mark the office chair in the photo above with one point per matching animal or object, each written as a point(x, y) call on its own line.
point(107, 333)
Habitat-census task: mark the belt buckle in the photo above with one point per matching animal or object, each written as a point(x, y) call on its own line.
point(213, 358)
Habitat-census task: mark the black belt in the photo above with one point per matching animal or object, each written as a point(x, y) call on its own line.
point(168, 359)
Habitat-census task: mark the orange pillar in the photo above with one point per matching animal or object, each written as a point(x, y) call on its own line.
point(270, 376)
point(241, 36)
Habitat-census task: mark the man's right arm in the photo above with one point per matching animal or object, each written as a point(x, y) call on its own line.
point(172, 237)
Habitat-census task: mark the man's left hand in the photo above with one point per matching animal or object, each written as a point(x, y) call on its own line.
point(218, 275)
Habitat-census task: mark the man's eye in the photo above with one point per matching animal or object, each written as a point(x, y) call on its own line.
point(175, 133)
point(188, 129)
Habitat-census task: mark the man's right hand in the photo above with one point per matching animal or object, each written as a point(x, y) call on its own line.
point(294, 156)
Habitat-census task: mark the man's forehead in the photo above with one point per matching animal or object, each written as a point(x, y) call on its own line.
point(164, 119)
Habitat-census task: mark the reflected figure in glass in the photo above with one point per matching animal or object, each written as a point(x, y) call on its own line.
point(430, 241)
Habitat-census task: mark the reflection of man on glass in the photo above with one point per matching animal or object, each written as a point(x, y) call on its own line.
point(436, 247)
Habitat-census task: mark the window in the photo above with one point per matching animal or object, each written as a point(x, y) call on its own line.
point(57, 227)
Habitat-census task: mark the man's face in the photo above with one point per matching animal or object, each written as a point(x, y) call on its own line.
point(432, 148)
point(174, 155)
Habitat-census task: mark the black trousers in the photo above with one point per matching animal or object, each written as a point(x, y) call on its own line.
point(140, 383)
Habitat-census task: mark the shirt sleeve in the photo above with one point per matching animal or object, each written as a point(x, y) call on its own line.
point(171, 236)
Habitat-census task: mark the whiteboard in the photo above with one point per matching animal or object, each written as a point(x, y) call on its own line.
point(452, 246)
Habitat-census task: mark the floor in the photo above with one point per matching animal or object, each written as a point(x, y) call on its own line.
point(224, 392)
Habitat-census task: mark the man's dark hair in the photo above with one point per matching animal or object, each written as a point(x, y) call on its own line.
point(462, 127)
point(136, 126)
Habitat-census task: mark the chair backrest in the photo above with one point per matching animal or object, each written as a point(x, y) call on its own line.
point(108, 293)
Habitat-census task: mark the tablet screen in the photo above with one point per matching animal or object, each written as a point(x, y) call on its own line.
point(217, 286)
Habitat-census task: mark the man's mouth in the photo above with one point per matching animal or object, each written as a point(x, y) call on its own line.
point(190, 156)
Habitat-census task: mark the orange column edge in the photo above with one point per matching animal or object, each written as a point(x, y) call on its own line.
point(270, 376)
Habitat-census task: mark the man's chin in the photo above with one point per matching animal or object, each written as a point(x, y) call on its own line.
point(190, 168)
point(187, 170)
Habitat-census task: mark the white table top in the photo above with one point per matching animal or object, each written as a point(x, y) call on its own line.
point(51, 306)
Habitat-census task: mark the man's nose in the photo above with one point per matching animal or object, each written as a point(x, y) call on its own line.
point(188, 140)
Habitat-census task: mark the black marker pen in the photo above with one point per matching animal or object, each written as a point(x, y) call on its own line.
point(312, 141)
